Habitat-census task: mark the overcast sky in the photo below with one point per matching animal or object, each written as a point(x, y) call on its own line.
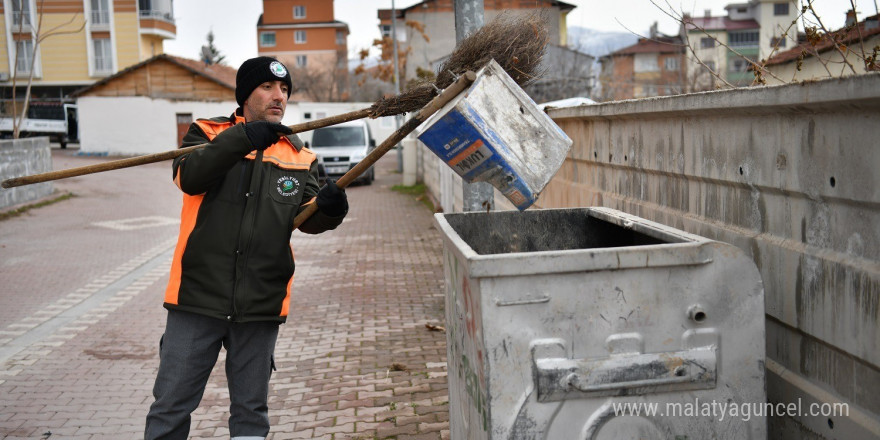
point(234, 23)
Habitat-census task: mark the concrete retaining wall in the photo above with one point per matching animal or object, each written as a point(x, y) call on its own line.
point(22, 157)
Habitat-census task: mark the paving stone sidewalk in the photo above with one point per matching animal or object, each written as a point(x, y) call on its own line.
point(355, 359)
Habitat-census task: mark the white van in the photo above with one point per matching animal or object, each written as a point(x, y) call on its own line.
point(340, 147)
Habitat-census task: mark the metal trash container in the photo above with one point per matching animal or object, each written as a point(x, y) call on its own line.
point(590, 323)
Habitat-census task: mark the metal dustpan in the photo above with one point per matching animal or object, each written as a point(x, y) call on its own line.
point(495, 133)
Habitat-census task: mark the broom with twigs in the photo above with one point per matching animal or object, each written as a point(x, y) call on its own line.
point(515, 42)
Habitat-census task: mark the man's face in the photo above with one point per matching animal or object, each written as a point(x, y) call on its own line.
point(267, 102)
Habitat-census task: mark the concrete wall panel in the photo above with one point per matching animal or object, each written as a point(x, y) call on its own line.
point(24, 157)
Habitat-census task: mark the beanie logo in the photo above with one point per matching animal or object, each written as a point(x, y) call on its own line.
point(278, 69)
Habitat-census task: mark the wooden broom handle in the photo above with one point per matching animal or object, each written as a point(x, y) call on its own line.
point(439, 101)
point(166, 155)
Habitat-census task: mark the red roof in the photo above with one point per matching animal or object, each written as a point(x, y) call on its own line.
point(844, 36)
point(720, 24)
point(657, 45)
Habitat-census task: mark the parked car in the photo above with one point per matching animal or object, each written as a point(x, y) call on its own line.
point(340, 147)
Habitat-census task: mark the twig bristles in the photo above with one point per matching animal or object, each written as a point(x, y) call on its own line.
point(516, 42)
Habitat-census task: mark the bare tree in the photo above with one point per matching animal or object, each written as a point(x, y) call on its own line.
point(384, 68)
point(37, 37)
point(328, 84)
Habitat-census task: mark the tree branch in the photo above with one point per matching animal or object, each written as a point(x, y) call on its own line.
point(828, 35)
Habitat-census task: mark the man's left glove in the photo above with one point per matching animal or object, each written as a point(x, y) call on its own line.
point(332, 200)
point(262, 134)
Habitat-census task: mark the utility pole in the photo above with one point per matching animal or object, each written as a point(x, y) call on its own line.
point(468, 18)
point(396, 79)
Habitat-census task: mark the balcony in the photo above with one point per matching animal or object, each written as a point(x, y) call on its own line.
point(158, 23)
point(155, 14)
point(157, 18)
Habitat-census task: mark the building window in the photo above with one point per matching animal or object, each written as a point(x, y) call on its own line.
point(739, 65)
point(707, 42)
point(777, 42)
point(646, 62)
point(299, 37)
point(340, 38)
point(299, 12)
point(267, 39)
point(21, 12)
point(103, 56)
point(743, 39)
point(100, 12)
point(302, 61)
point(780, 8)
point(385, 29)
point(742, 10)
point(24, 56)
point(670, 63)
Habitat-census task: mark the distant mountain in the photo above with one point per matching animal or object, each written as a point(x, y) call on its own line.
point(598, 43)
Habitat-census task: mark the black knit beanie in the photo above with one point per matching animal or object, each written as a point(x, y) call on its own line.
point(256, 71)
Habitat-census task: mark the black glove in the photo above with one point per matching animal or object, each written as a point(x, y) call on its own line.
point(332, 200)
point(262, 134)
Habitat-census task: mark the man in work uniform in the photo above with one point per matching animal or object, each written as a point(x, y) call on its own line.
point(233, 265)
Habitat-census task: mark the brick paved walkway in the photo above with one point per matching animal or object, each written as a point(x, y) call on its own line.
point(81, 286)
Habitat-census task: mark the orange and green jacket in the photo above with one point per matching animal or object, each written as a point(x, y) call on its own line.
point(233, 259)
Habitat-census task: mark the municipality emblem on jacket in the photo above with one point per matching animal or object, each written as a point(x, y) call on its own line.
point(287, 186)
point(277, 69)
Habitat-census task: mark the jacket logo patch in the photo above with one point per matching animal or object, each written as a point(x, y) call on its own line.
point(287, 186)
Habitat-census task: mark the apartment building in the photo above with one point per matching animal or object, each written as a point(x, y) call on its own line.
point(437, 18)
point(725, 45)
point(653, 66)
point(95, 39)
point(305, 36)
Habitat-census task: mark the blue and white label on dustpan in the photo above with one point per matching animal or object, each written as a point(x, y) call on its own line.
point(476, 154)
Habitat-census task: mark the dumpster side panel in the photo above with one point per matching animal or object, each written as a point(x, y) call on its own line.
point(627, 337)
point(467, 369)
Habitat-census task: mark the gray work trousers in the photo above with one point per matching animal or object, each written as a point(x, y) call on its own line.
point(187, 354)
